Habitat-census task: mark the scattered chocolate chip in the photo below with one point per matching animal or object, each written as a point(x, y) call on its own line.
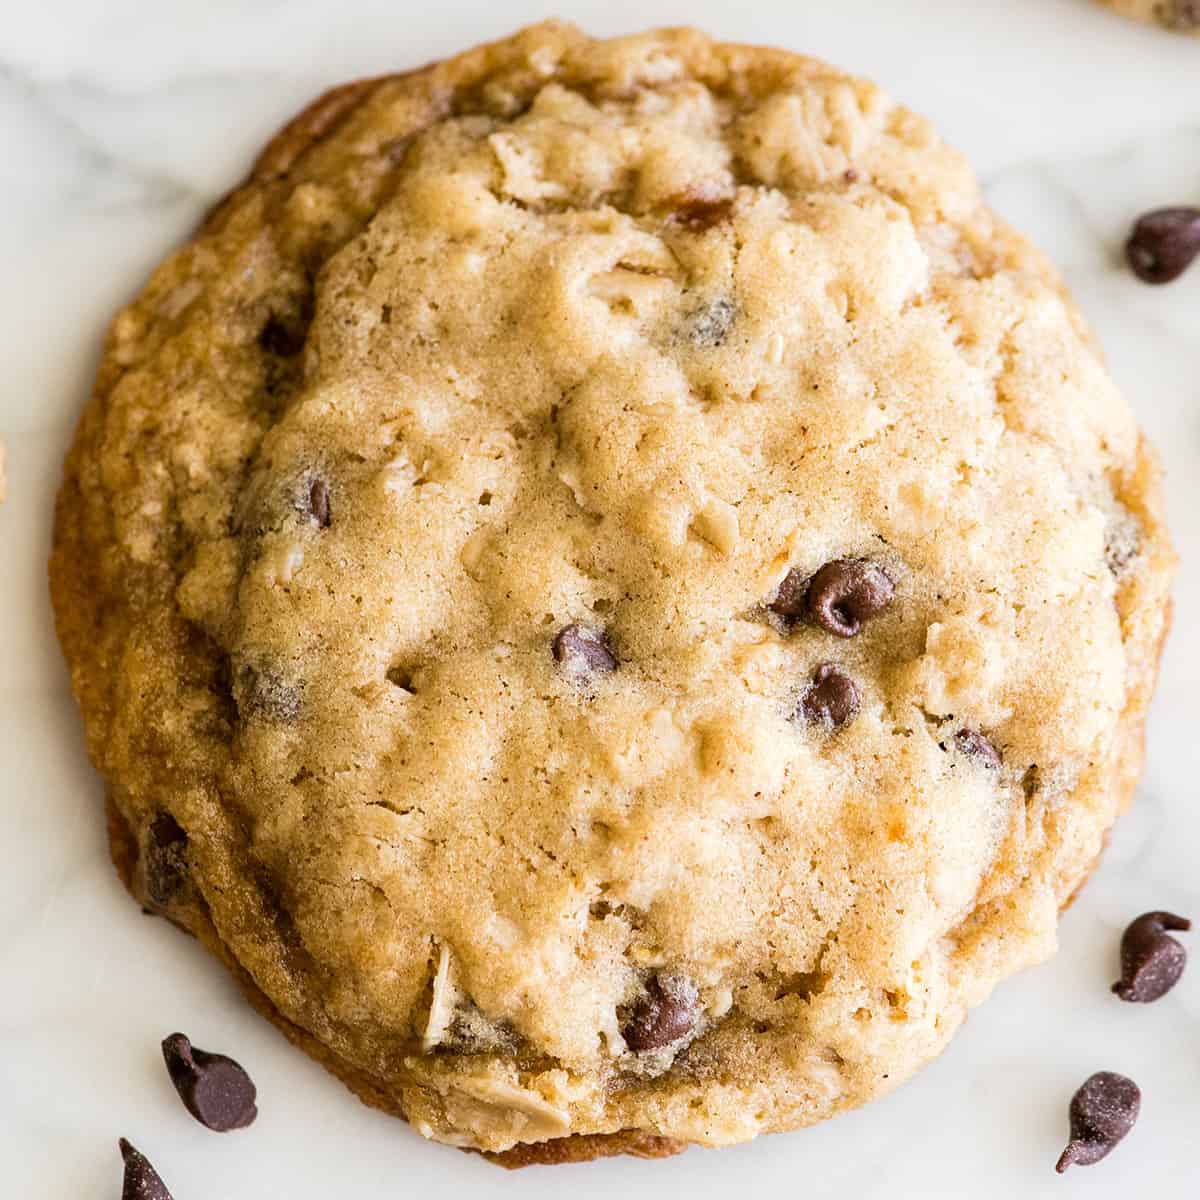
point(850, 175)
point(265, 694)
point(1103, 1111)
point(318, 503)
point(583, 650)
point(831, 700)
point(165, 858)
point(142, 1181)
point(789, 599)
point(845, 593)
point(213, 1088)
point(1151, 962)
point(282, 338)
point(709, 325)
point(1164, 243)
point(698, 214)
point(665, 1014)
point(975, 745)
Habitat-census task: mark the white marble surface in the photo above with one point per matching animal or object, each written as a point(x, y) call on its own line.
point(120, 120)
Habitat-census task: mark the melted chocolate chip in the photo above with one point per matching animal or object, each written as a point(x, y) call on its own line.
point(697, 214)
point(972, 743)
point(165, 858)
point(1103, 1111)
point(318, 503)
point(142, 1181)
point(284, 339)
point(845, 593)
point(831, 700)
point(1151, 962)
point(666, 1013)
point(789, 599)
point(265, 695)
point(1164, 243)
point(583, 650)
point(213, 1088)
point(709, 326)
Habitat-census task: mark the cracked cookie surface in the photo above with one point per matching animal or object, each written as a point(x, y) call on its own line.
point(612, 591)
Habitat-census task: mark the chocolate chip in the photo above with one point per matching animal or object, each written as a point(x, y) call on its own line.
point(789, 599)
point(1164, 243)
point(1120, 549)
point(698, 214)
point(709, 325)
point(165, 858)
point(282, 338)
point(845, 593)
point(142, 1181)
point(975, 745)
point(213, 1088)
point(583, 650)
point(831, 700)
point(318, 503)
point(665, 1014)
point(1151, 962)
point(1103, 1111)
point(266, 695)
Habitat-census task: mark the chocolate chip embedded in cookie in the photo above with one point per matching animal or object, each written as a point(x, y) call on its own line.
point(973, 743)
point(318, 503)
point(665, 1014)
point(571, 570)
point(164, 858)
point(840, 598)
point(831, 700)
point(844, 594)
point(583, 650)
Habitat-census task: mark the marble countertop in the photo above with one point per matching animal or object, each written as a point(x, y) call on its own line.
point(120, 122)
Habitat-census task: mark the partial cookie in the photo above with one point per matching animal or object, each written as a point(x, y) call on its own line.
point(612, 591)
point(1178, 16)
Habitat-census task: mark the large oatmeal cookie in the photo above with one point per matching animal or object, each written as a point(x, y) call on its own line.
point(612, 591)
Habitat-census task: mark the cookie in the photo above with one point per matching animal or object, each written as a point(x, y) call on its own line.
point(611, 591)
point(1178, 16)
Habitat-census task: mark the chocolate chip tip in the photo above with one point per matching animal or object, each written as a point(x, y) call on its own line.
point(141, 1180)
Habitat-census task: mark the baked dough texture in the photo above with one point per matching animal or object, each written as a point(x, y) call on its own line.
point(439, 564)
point(1177, 16)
